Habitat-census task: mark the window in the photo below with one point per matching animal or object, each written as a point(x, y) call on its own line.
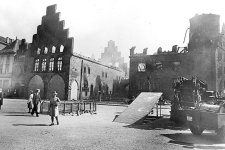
point(46, 50)
point(89, 70)
point(106, 75)
point(59, 63)
point(36, 65)
point(7, 64)
point(102, 74)
point(43, 65)
point(61, 48)
point(84, 69)
point(1, 66)
point(38, 51)
point(51, 64)
point(224, 57)
point(6, 84)
point(0, 83)
point(53, 49)
point(141, 67)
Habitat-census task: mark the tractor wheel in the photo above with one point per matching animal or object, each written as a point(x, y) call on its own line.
point(221, 134)
point(196, 129)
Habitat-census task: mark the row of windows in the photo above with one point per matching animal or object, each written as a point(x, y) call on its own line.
point(53, 50)
point(51, 64)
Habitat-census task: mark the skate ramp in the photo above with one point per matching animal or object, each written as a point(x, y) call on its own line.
point(139, 108)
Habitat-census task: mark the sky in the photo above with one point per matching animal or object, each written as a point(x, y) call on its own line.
point(141, 23)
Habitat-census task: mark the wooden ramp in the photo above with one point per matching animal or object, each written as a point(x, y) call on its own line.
point(139, 108)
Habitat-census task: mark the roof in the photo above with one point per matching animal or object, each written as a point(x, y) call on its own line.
point(11, 48)
point(95, 61)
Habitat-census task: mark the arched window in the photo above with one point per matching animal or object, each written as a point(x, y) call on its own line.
point(43, 65)
point(59, 63)
point(36, 65)
point(53, 49)
point(51, 64)
point(38, 51)
point(61, 48)
point(46, 50)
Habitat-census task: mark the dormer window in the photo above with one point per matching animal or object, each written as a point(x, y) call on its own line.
point(46, 50)
point(38, 51)
point(53, 49)
point(61, 48)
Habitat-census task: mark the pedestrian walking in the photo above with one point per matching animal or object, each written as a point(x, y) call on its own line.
point(36, 103)
point(30, 101)
point(53, 108)
point(1, 99)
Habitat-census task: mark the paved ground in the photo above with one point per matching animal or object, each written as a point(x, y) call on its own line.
point(20, 131)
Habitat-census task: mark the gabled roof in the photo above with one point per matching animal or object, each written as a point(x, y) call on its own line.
point(11, 48)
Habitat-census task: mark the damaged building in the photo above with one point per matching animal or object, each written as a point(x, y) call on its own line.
point(204, 57)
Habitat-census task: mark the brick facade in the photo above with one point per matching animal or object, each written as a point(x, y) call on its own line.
point(54, 66)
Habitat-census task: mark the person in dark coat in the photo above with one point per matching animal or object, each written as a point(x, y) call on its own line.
point(1, 99)
point(36, 103)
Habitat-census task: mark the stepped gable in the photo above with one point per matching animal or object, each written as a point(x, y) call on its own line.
point(51, 32)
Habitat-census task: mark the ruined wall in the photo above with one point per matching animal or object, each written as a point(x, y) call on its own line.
point(160, 77)
point(204, 30)
point(203, 61)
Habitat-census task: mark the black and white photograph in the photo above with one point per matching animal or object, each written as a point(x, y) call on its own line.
point(112, 75)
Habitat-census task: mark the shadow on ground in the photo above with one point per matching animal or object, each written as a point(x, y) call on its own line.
point(14, 112)
point(208, 140)
point(188, 140)
point(20, 115)
point(30, 124)
point(159, 124)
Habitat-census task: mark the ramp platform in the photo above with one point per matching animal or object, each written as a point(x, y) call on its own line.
point(139, 108)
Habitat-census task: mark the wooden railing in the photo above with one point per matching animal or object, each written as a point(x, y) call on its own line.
point(72, 107)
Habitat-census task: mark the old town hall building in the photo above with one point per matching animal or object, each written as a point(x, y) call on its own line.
point(49, 63)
